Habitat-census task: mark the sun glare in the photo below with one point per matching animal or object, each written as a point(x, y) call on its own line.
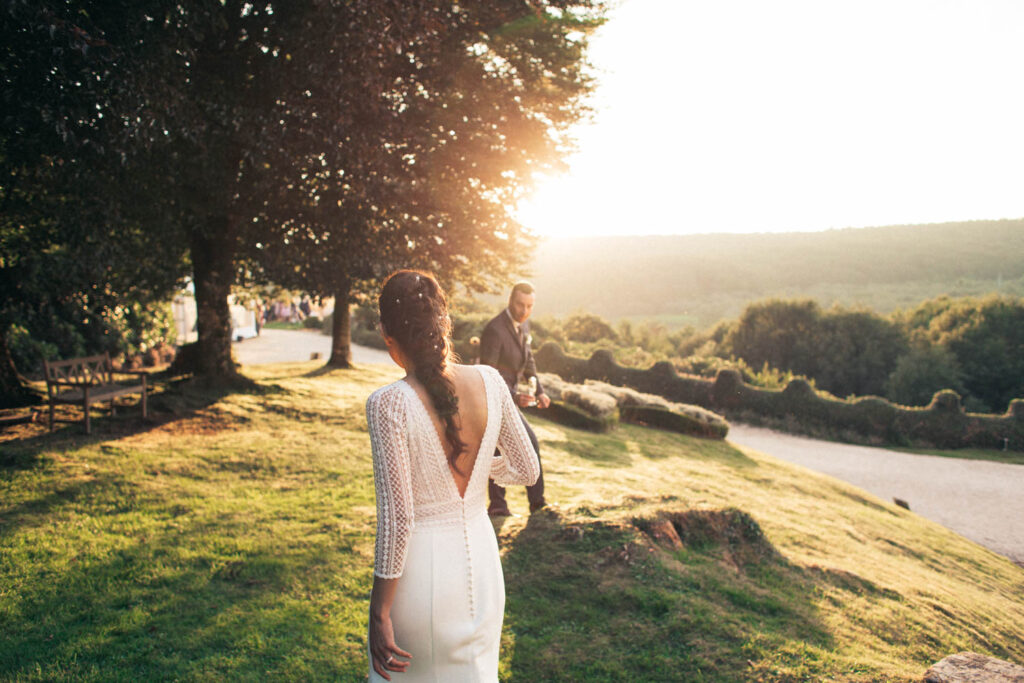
point(744, 116)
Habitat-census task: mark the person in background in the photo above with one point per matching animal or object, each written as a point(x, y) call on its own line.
point(505, 346)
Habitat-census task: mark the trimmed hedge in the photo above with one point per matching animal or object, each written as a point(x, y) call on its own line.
point(576, 406)
point(799, 408)
point(577, 418)
point(655, 411)
point(672, 421)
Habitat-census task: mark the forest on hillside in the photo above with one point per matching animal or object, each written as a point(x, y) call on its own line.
point(698, 280)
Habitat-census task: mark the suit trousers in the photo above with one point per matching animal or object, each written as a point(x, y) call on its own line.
point(534, 493)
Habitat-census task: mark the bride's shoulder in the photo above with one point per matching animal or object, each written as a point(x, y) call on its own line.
point(388, 394)
point(488, 372)
point(484, 370)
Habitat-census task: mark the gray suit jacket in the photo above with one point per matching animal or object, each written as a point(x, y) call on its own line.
point(508, 352)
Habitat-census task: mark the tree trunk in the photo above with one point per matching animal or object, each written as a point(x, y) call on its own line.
point(13, 390)
point(341, 329)
point(213, 249)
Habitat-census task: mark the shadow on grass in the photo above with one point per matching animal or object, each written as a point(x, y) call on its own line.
point(604, 602)
point(326, 369)
point(618, 448)
point(107, 492)
point(608, 452)
point(176, 401)
point(172, 605)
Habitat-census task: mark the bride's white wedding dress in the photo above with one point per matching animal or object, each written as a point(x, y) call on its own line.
point(450, 598)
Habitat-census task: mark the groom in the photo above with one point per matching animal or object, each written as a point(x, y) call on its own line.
point(505, 345)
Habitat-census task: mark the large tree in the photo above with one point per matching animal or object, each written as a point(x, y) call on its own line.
point(467, 114)
point(428, 120)
point(74, 246)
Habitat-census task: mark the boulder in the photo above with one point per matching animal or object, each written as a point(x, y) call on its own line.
point(971, 667)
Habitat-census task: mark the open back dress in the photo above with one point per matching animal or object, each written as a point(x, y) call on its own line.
point(450, 599)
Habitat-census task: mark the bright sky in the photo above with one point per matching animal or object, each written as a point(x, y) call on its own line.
point(754, 116)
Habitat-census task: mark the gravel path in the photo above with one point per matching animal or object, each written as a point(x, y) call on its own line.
point(981, 500)
point(287, 346)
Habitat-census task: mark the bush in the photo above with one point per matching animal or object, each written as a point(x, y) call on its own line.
point(574, 406)
point(127, 330)
point(655, 411)
point(29, 353)
point(674, 421)
point(921, 373)
point(986, 335)
point(365, 337)
point(576, 417)
point(585, 327)
point(465, 326)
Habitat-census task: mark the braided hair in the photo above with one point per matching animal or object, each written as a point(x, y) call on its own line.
point(414, 313)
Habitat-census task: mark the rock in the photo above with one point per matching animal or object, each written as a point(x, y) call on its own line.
point(664, 533)
point(971, 667)
point(902, 503)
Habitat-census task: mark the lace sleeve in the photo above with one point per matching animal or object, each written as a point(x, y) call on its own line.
point(518, 463)
point(385, 415)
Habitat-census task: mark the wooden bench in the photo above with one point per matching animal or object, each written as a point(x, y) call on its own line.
point(88, 380)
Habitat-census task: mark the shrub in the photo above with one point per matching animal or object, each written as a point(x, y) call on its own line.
point(575, 406)
point(592, 402)
point(674, 421)
point(29, 353)
point(576, 417)
point(465, 326)
point(656, 411)
point(586, 327)
point(921, 373)
point(802, 409)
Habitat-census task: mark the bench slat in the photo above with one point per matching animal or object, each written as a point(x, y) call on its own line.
point(97, 393)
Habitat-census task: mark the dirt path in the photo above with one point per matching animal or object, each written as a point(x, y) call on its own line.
point(981, 500)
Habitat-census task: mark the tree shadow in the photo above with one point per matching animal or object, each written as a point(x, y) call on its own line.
point(327, 369)
point(595, 600)
point(178, 400)
point(618, 448)
point(163, 608)
point(608, 452)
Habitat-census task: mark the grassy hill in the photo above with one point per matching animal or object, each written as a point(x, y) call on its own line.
point(231, 538)
point(700, 279)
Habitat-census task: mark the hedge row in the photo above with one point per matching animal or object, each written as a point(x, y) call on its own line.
point(799, 408)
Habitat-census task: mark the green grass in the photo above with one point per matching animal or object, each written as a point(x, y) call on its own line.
point(231, 538)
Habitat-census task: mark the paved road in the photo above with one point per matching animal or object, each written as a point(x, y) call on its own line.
point(286, 346)
point(981, 500)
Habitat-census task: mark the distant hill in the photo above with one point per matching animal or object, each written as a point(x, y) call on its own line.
point(700, 279)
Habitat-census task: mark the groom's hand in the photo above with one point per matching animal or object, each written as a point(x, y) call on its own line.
point(543, 401)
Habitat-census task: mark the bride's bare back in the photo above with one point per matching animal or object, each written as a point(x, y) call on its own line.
point(471, 420)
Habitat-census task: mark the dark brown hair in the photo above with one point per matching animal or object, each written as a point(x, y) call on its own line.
point(523, 287)
point(414, 312)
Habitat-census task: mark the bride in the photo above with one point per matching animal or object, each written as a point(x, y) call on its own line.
point(438, 595)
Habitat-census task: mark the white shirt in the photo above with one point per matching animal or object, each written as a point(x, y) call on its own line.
point(514, 323)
